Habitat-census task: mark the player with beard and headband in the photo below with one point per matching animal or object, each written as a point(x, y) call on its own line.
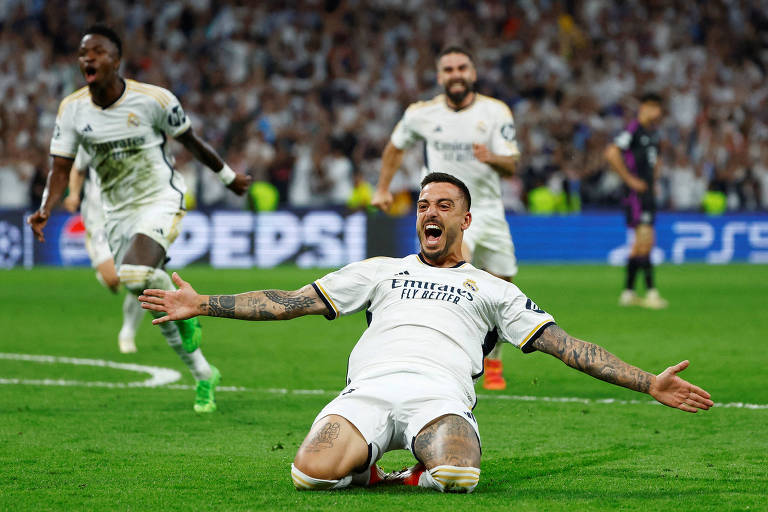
point(123, 126)
point(472, 137)
point(410, 375)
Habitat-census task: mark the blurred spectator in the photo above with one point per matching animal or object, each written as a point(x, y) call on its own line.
point(268, 82)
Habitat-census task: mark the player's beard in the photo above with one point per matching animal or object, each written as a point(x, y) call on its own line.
point(458, 97)
point(437, 254)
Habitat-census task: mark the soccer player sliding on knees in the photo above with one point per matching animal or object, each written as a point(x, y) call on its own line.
point(411, 374)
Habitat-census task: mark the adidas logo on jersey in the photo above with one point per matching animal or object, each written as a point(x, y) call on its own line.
point(438, 128)
point(87, 128)
point(403, 273)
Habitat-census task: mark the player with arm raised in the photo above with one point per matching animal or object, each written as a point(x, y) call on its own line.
point(410, 375)
point(633, 155)
point(123, 126)
point(82, 176)
point(472, 137)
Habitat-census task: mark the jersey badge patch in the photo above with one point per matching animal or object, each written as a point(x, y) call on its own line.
point(508, 132)
point(133, 120)
point(481, 127)
point(437, 129)
point(470, 285)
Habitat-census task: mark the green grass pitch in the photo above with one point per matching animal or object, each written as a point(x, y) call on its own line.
point(98, 448)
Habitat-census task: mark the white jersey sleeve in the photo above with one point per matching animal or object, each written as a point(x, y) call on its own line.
point(503, 139)
point(64, 141)
point(349, 289)
point(404, 136)
point(519, 319)
point(82, 160)
point(170, 117)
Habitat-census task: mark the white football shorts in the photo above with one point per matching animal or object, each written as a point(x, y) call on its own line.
point(96, 242)
point(389, 411)
point(160, 222)
point(97, 246)
point(490, 242)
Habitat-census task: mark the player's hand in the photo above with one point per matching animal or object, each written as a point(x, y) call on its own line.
point(382, 199)
point(637, 185)
point(37, 222)
point(671, 390)
point(71, 203)
point(240, 184)
point(482, 153)
point(178, 304)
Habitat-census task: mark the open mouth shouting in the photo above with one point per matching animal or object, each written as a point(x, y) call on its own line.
point(89, 72)
point(433, 233)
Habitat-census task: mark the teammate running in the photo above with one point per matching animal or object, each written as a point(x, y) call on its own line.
point(123, 125)
point(409, 380)
point(633, 155)
point(97, 245)
point(472, 137)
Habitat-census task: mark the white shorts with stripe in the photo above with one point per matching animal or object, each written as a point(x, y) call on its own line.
point(160, 222)
point(389, 411)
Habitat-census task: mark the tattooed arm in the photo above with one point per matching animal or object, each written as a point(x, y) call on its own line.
point(667, 387)
point(260, 305)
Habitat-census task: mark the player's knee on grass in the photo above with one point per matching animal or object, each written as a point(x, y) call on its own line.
point(445, 478)
point(137, 278)
point(332, 450)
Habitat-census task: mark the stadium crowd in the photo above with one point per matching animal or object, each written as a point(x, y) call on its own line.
point(304, 96)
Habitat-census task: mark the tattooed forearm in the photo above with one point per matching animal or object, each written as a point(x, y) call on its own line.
point(220, 305)
point(290, 301)
point(265, 305)
point(592, 359)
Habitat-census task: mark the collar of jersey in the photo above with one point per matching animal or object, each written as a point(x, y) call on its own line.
point(119, 98)
point(424, 261)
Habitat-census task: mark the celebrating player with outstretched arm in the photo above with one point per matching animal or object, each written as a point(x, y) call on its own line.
point(431, 316)
point(472, 137)
point(123, 125)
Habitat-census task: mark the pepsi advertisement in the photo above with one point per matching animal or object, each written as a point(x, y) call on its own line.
point(331, 239)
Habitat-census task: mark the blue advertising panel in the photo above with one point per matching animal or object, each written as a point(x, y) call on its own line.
point(328, 238)
point(232, 239)
point(603, 238)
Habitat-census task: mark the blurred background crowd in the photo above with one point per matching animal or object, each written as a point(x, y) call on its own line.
point(304, 95)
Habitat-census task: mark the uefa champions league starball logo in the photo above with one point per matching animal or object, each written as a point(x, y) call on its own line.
point(10, 245)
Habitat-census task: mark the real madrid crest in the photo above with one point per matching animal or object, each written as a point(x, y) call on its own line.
point(469, 284)
point(133, 120)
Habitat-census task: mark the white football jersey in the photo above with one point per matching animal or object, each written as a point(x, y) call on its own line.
point(429, 320)
point(126, 143)
point(448, 136)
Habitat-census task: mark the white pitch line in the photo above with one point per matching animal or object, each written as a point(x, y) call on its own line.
point(158, 376)
point(164, 378)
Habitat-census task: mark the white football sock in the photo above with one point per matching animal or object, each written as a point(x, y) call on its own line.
point(450, 478)
point(132, 315)
point(304, 482)
point(139, 277)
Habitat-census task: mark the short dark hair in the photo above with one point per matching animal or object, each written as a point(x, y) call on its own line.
point(454, 48)
point(652, 97)
point(441, 177)
point(107, 32)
